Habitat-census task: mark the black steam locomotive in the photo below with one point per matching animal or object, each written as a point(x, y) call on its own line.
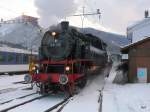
point(65, 56)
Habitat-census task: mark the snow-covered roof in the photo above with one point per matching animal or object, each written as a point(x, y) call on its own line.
point(138, 24)
point(16, 50)
point(22, 33)
point(126, 48)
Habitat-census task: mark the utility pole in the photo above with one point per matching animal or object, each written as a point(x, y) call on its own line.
point(82, 17)
point(87, 14)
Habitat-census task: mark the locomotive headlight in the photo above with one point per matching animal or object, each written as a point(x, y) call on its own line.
point(33, 68)
point(53, 34)
point(67, 68)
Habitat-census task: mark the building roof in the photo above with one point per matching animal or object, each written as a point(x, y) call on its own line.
point(29, 17)
point(126, 48)
point(139, 23)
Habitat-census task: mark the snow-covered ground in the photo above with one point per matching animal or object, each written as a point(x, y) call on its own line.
point(88, 99)
point(126, 98)
point(10, 89)
point(7, 81)
point(116, 98)
point(40, 105)
point(13, 93)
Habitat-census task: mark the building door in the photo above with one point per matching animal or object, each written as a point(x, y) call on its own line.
point(142, 75)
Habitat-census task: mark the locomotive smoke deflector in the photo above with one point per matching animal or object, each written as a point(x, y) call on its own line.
point(64, 25)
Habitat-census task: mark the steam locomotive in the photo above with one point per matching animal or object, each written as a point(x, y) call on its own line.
point(65, 57)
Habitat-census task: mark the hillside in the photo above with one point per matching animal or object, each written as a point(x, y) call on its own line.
point(25, 34)
point(114, 41)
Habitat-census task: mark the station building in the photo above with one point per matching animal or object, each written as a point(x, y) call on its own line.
point(138, 60)
point(137, 54)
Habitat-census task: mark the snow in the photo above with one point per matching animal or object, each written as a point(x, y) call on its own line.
point(37, 106)
point(12, 91)
point(87, 99)
point(6, 28)
point(7, 81)
point(18, 101)
point(140, 30)
point(25, 34)
point(9, 90)
point(126, 98)
point(112, 73)
point(116, 98)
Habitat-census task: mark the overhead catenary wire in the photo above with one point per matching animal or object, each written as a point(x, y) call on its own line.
point(90, 7)
point(83, 15)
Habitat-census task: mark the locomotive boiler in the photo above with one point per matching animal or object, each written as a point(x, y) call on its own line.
point(65, 56)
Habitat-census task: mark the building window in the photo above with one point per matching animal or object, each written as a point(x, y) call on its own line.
point(124, 56)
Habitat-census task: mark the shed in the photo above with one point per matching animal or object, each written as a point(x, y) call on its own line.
point(138, 60)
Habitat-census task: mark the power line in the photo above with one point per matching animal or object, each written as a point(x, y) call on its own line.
point(91, 8)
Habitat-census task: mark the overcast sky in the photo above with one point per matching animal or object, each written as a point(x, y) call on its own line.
point(116, 14)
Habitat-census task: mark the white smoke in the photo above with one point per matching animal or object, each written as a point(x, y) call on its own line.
point(51, 11)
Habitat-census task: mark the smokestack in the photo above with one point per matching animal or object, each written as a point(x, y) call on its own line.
point(64, 25)
point(146, 14)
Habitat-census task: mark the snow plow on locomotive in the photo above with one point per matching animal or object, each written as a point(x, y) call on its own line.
point(65, 56)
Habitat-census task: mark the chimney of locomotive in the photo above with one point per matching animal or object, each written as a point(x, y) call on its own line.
point(64, 25)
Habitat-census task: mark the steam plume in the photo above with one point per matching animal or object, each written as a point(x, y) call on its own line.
point(51, 11)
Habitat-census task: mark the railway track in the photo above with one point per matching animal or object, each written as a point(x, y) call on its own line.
point(20, 82)
point(24, 96)
point(8, 90)
point(25, 102)
point(61, 104)
point(53, 107)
